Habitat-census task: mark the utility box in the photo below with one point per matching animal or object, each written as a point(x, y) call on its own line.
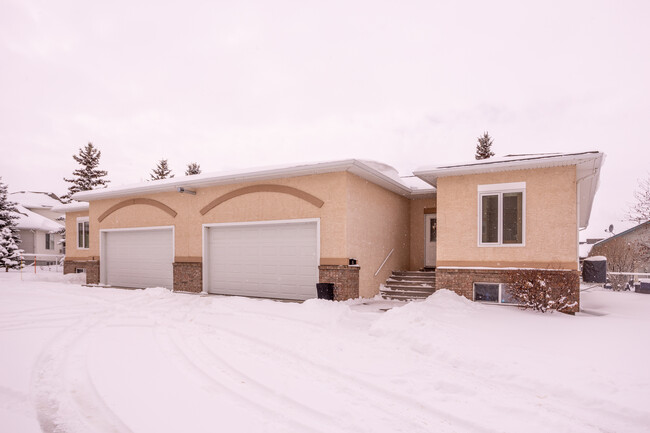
point(594, 270)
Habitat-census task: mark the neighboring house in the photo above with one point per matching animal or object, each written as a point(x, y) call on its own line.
point(276, 232)
point(38, 225)
point(628, 251)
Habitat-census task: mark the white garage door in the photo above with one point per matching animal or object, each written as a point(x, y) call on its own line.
point(275, 260)
point(138, 258)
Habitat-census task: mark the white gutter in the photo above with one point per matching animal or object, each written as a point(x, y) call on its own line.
point(71, 207)
point(430, 175)
point(166, 185)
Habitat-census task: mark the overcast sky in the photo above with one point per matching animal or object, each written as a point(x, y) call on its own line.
point(241, 84)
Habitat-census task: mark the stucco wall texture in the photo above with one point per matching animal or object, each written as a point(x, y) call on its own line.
point(71, 250)
point(550, 215)
point(377, 222)
point(357, 220)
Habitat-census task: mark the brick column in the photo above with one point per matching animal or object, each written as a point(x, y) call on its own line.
point(188, 277)
point(91, 267)
point(345, 279)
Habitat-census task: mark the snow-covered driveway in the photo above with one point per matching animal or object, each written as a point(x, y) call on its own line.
point(79, 359)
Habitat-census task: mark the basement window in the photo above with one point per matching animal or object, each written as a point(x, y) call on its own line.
point(497, 293)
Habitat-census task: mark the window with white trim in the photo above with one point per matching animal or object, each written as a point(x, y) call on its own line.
point(497, 293)
point(49, 241)
point(501, 214)
point(83, 233)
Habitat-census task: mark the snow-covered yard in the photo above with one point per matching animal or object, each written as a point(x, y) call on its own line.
point(79, 359)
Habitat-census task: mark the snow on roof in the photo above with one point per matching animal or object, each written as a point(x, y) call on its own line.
point(35, 199)
point(417, 185)
point(587, 164)
point(585, 249)
point(75, 206)
point(28, 220)
point(596, 259)
point(623, 233)
point(505, 163)
point(375, 172)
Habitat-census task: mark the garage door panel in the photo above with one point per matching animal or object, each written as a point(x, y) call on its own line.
point(139, 258)
point(267, 260)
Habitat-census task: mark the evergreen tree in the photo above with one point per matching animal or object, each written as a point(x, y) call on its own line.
point(162, 171)
point(9, 251)
point(9, 238)
point(193, 168)
point(484, 147)
point(88, 176)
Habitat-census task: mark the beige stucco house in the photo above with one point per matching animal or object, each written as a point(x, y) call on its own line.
point(276, 232)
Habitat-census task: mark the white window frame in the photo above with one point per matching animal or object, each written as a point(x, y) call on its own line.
point(499, 189)
point(83, 220)
point(502, 287)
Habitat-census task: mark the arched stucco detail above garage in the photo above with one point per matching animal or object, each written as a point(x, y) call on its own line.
point(134, 201)
point(283, 189)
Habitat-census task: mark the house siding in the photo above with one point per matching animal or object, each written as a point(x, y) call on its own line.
point(550, 219)
point(71, 250)
point(377, 222)
point(258, 206)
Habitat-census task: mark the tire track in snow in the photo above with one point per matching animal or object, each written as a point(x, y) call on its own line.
point(412, 412)
point(553, 406)
point(70, 403)
point(220, 378)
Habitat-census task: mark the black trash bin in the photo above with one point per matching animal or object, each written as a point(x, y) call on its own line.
point(325, 291)
point(594, 270)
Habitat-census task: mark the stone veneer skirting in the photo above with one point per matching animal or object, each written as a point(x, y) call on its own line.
point(188, 277)
point(91, 267)
point(345, 279)
point(461, 281)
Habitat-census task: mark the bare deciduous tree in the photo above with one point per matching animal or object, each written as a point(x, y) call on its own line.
point(639, 212)
point(622, 256)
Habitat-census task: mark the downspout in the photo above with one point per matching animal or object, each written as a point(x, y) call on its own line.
point(594, 172)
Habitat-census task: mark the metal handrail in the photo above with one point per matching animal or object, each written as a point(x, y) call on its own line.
point(384, 262)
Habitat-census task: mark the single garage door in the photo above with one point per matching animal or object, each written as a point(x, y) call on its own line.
point(275, 260)
point(138, 258)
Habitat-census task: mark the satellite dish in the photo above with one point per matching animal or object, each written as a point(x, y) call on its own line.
point(610, 229)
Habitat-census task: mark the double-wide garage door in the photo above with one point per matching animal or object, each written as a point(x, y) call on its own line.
point(138, 258)
point(274, 260)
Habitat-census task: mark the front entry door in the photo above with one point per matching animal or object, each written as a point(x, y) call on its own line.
point(430, 235)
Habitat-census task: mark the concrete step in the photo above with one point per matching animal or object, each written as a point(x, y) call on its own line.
point(404, 296)
point(411, 282)
point(414, 273)
point(412, 278)
point(409, 285)
point(401, 286)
